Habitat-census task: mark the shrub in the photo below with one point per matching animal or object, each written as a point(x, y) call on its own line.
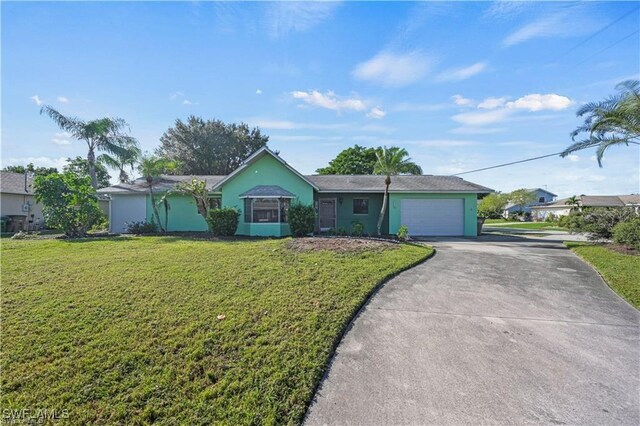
point(357, 228)
point(628, 233)
point(142, 227)
point(224, 221)
point(341, 231)
point(102, 223)
point(574, 221)
point(69, 202)
point(302, 219)
point(551, 218)
point(403, 233)
point(599, 222)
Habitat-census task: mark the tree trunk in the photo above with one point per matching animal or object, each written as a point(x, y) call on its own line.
point(155, 207)
point(91, 161)
point(387, 182)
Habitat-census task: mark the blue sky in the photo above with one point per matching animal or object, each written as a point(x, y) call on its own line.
point(460, 86)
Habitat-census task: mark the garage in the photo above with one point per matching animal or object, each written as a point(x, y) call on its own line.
point(433, 217)
point(127, 209)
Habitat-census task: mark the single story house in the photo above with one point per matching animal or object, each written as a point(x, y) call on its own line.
point(17, 202)
point(264, 187)
point(542, 196)
point(561, 208)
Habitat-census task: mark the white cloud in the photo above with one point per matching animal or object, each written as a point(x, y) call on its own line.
point(506, 8)
point(267, 123)
point(63, 99)
point(61, 138)
point(37, 161)
point(459, 74)
point(570, 21)
point(394, 69)
point(377, 113)
point(480, 118)
point(258, 92)
point(286, 17)
point(186, 102)
point(461, 100)
point(573, 158)
point(176, 95)
point(37, 100)
point(492, 103)
point(329, 100)
point(538, 102)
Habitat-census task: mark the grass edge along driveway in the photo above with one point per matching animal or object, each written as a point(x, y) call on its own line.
point(620, 271)
point(127, 331)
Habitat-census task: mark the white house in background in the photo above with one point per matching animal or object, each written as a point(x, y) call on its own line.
point(542, 197)
point(561, 208)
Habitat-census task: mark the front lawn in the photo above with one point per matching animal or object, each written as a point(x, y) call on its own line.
point(620, 271)
point(177, 330)
point(527, 225)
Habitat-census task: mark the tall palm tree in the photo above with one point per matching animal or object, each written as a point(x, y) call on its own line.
point(391, 162)
point(151, 167)
point(103, 134)
point(121, 163)
point(573, 201)
point(614, 121)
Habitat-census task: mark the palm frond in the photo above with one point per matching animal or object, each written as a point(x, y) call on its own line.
point(72, 125)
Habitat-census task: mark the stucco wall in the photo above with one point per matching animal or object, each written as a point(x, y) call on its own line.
point(345, 214)
point(266, 171)
point(182, 213)
point(470, 209)
point(11, 204)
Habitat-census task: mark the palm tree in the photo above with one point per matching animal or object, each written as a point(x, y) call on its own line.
point(151, 167)
point(391, 162)
point(121, 163)
point(103, 134)
point(614, 121)
point(573, 201)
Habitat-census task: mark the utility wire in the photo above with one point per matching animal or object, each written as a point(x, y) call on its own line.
point(528, 159)
point(610, 46)
point(597, 32)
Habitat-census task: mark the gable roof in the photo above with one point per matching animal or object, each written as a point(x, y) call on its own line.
point(267, 191)
point(255, 157)
point(541, 189)
point(14, 183)
point(595, 201)
point(402, 183)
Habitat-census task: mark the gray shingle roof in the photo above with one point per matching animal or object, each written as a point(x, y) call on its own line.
point(268, 191)
point(13, 183)
point(375, 183)
point(163, 183)
point(597, 201)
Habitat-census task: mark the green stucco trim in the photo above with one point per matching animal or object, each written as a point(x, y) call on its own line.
point(470, 209)
point(183, 213)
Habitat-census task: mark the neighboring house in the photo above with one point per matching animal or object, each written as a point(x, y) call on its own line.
point(264, 187)
point(542, 196)
point(17, 202)
point(560, 207)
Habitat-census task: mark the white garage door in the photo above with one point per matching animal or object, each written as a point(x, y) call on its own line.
point(433, 217)
point(126, 209)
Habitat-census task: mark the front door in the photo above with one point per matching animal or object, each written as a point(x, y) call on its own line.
point(327, 213)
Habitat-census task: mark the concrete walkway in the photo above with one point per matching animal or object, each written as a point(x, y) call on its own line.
point(496, 330)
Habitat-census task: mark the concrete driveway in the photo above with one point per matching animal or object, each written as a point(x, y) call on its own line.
point(493, 331)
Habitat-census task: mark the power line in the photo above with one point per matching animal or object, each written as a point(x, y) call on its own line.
point(528, 159)
point(610, 46)
point(620, 18)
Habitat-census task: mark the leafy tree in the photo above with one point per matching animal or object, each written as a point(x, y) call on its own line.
point(69, 202)
point(356, 160)
point(151, 167)
point(30, 168)
point(80, 166)
point(573, 201)
point(209, 147)
point(103, 134)
point(492, 205)
point(197, 188)
point(122, 162)
point(301, 218)
point(391, 162)
point(522, 197)
point(614, 121)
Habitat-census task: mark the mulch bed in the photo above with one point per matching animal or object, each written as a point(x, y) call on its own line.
point(623, 249)
point(339, 244)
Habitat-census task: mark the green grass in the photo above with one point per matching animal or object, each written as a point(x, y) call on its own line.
point(125, 330)
point(620, 271)
point(527, 225)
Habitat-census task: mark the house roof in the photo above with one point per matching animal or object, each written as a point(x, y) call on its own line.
point(255, 157)
point(161, 184)
point(267, 191)
point(14, 183)
point(541, 189)
point(408, 183)
point(596, 201)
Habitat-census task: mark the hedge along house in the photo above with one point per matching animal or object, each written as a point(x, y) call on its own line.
point(264, 187)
